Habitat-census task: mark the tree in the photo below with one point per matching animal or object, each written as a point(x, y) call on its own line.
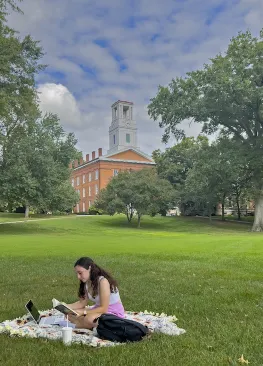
point(174, 164)
point(35, 166)
point(226, 96)
point(208, 181)
point(19, 63)
point(221, 170)
point(117, 196)
point(141, 192)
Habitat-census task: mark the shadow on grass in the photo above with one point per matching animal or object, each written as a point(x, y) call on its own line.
point(29, 229)
point(177, 224)
point(83, 226)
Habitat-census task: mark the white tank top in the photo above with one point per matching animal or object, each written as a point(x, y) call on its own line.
point(114, 296)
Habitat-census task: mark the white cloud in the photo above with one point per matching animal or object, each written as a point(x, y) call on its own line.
point(84, 79)
point(56, 98)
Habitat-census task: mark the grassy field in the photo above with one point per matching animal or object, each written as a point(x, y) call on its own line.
point(233, 217)
point(12, 217)
point(6, 217)
point(209, 276)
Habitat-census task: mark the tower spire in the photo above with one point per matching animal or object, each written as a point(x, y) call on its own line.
point(123, 129)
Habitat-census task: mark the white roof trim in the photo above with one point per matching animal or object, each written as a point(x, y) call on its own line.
point(127, 161)
point(139, 152)
point(104, 158)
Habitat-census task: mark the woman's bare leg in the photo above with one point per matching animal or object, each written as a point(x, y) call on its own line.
point(87, 322)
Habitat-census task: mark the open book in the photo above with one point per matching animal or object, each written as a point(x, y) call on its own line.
point(63, 308)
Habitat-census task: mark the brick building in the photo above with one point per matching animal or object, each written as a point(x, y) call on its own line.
point(90, 176)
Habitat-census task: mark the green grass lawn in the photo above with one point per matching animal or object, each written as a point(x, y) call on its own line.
point(10, 217)
point(6, 217)
point(209, 276)
point(233, 217)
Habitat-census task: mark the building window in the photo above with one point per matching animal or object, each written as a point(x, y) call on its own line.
point(83, 193)
point(77, 207)
point(128, 138)
point(90, 177)
point(83, 207)
point(125, 112)
point(83, 178)
point(96, 174)
point(96, 189)
point(114, 139)
point(77, 181)
point(72, 182)
point(89, 191)
point(89, 203)
point(115, 172)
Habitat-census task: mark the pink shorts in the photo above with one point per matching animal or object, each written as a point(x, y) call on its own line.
point(115, 309)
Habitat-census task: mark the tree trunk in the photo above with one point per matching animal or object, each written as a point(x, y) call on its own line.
point(258, 220)
point(27, 212)
point(210, 215)
point(238, 208)
point(129, 213)
point(139, 221)
point(10, 207)
point(223, 207)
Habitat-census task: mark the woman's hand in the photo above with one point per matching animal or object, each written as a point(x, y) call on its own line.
point(73, 318)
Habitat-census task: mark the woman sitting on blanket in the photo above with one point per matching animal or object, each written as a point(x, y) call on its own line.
point(98, 286)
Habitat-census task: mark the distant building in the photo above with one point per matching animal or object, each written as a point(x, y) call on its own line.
point(90, 176)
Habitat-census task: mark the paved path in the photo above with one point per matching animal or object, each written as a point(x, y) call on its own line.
point(25, 221)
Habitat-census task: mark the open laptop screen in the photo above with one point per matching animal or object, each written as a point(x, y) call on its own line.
point(33, 310)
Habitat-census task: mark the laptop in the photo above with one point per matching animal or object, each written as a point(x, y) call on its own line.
point(49, 320)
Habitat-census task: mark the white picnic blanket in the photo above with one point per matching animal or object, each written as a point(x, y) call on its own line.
point(161, 323)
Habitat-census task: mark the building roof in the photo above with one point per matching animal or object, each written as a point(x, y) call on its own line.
point(136, 151)
point(109, 159)
point(122, 101)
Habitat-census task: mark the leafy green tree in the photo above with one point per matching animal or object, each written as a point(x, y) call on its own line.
point(219, 172)
point(175, 162)
point(234, 163)
point(19, 63)
point(35, 166)
point(141, 192)
point(226, 96)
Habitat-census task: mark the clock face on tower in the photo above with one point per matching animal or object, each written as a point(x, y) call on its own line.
point(127, 123)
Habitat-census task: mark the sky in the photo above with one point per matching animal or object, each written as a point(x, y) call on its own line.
point(102, 51)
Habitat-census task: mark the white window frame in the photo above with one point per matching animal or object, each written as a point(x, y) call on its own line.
point(97, 174)
point(72, 182)
point(83, 178)
point(83, 192)
point(90, 177)
point(78, 207)
point(77, 181)
point(96, 189)
point(83, 207)
point(90, 204)
point(115, 172)
point(89, 191)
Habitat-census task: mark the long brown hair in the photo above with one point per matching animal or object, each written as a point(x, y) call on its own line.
point(95, 273)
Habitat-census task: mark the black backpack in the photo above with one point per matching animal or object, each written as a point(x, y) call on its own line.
point(120, 330)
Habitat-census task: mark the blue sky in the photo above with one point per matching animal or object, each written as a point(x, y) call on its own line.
point(99, 52)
